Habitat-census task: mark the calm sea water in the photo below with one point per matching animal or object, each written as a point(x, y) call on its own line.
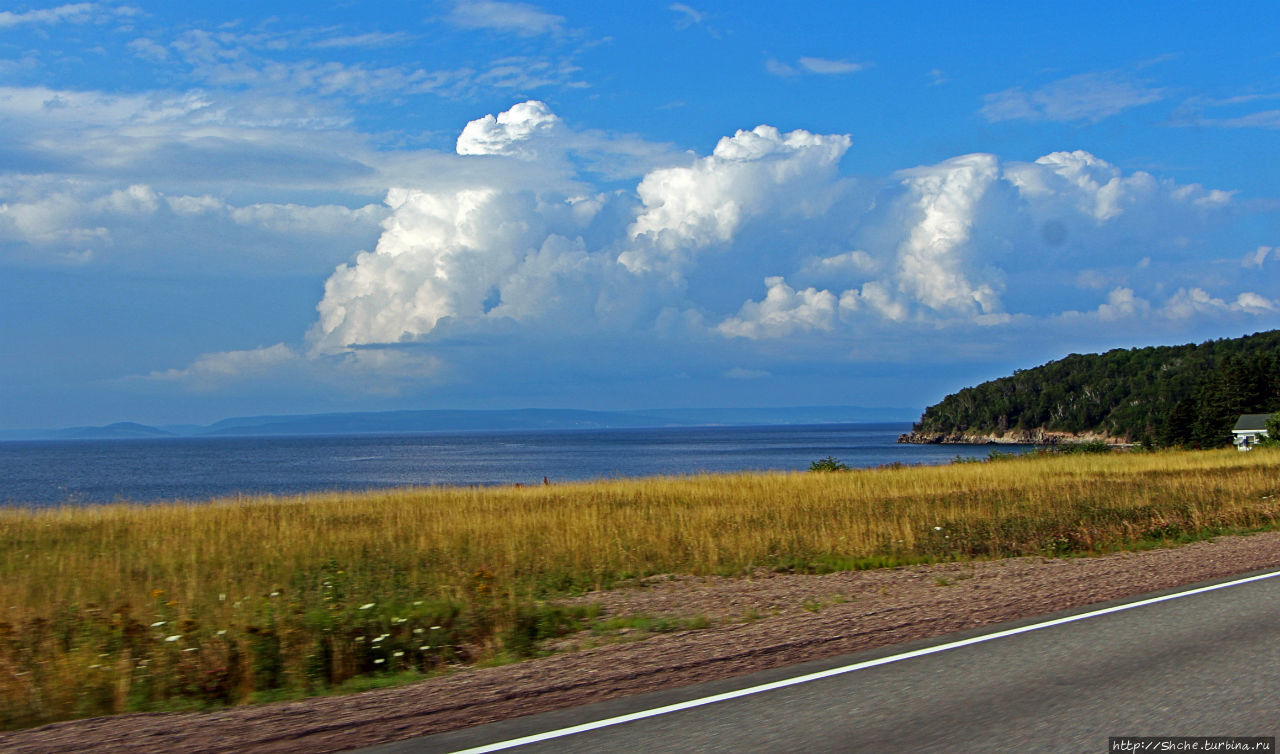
point(89, 471)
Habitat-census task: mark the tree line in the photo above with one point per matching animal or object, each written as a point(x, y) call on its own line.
point(1184, 396)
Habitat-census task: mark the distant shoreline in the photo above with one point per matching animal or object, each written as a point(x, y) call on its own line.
point(1038, 436)
point(460, 420)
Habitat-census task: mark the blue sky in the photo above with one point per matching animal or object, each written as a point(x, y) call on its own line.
point(275, 207)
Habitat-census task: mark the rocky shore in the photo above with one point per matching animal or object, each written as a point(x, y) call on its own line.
point(1037, 436)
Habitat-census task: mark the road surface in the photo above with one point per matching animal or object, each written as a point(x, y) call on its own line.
point(1203, 664)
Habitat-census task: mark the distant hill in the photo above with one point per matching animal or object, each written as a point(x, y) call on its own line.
point(1188, 395)
point(531, 419)
point(113, 431)
point(397, 422)
point(425, 421)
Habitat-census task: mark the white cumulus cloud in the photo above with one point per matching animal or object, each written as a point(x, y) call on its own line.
point(1121, 304)
point(480, 253)
point(932, 260)
point(1189, 302)
point(783, 311)
point(942, 241)
point(750, 174)
point(509, 133)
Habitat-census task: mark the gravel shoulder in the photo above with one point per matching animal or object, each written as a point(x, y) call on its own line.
point(764, 622)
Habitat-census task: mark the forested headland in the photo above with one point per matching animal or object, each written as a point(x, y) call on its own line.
point(1169, 396)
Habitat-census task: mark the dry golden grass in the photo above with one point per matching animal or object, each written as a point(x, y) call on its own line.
point(123, 607)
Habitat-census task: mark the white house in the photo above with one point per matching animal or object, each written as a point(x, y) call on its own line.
point(1249, 429)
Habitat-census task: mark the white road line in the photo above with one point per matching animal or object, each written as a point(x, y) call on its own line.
point(499, 746)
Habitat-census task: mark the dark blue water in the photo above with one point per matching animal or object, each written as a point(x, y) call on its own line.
point(88, 471)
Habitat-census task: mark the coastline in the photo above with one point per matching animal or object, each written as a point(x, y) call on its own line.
point(1038, 436)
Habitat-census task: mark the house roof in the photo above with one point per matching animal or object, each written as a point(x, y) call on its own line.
point(1251, 422)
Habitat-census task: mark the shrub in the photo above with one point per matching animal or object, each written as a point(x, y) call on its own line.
point(830, 463)
point(1094, 446)
point(1272, 438)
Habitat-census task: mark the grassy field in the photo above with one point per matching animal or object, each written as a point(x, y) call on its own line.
point(130, 607)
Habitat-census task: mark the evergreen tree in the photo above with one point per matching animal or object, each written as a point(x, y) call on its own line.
point(1179, 431)
point(1223, 398)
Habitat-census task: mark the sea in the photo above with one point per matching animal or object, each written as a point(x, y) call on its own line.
point(85, 472)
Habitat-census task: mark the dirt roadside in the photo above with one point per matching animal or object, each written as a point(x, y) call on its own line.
point(792, 618)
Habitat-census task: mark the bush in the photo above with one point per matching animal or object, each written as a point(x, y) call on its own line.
point(1272, 438)
point(830, 463)
point(1094, 446)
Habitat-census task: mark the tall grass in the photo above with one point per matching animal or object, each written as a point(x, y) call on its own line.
point(128, 607)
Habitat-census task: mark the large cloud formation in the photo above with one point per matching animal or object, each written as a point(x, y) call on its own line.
point(505, 253)
point(935, 243)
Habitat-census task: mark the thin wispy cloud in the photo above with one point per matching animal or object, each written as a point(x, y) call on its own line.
point(779, 68)
point(1086, 97)
point(372, 39)
point(74, 13)
point(521, 19)
point(829, 67)
point(1262, 119)
point(255, 61)
point(686, 15)
point(812, 65)
point(1225, 112)
point(1238, 99)
point(149, 49)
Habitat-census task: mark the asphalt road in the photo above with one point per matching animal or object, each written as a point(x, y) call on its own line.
point(1207, 664)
